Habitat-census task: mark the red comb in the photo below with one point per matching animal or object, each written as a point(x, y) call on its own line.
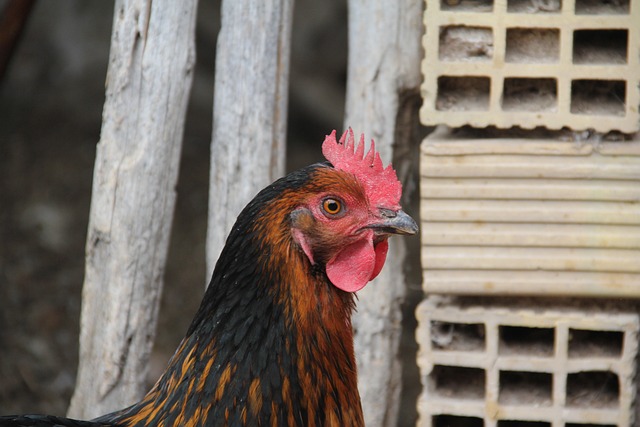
point(381, 184)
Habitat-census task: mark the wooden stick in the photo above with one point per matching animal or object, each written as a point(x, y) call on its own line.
point(148, 82)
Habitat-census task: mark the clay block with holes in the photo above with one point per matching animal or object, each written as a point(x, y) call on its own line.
point(530, 216)
point(532, 63)
point(495, 364)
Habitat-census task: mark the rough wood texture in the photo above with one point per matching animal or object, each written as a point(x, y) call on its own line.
point(384, 65)
point(148, 82)
point(250, 110)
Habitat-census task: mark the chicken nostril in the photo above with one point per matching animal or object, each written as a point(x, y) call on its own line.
point(388, 213)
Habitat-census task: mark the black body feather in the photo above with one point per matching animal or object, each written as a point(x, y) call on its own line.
point(240, 361)
point(45, 421)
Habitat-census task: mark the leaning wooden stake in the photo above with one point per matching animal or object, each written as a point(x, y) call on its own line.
point(250, 110)
point(148, 82)
point(384, 66)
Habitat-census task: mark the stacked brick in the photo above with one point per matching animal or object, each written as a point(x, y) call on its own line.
point(532, 217)
point(527, 216)
point(525, 367)
point(529, 63)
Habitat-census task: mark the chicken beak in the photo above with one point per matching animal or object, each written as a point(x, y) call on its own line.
point(395, 222)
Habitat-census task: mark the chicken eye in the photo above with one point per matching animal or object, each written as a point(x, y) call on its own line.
point(332, 206)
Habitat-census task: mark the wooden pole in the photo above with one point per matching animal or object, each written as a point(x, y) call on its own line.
point(249, 110)
point(383, 68)
point(147, 88)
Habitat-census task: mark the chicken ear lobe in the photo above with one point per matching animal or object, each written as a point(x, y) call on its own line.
point(301, 240)
point(302, 219)
point(355, 265)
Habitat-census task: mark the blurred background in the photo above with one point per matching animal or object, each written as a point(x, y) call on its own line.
point(51, 100)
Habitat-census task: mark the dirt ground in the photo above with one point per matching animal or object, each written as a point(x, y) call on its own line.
point(50, 115)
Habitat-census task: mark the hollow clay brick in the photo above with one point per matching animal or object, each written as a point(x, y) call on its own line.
point(496, 364)
point(530, 63)
point(534, 217)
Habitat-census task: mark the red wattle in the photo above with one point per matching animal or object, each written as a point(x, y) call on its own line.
point(357, 264)
point(381, 256)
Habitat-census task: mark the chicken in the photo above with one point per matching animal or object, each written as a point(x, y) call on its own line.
point(272, 342)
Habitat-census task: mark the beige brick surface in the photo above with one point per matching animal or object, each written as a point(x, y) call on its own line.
point(529, 63)
point(501, 365)
point(536, 217)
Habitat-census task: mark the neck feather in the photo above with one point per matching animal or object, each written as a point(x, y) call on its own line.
point(271, 343)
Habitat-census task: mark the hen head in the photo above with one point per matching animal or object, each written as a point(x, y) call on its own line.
point(344, 224)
